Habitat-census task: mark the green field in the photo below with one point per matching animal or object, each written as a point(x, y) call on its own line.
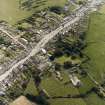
point(96, 51)
point(96, 45)
point(11, 12)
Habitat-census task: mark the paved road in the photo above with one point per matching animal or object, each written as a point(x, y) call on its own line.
point(48, 37)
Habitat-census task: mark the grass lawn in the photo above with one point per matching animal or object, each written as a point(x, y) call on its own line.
point(31, 89)
point(64, 58)
point(87, 85)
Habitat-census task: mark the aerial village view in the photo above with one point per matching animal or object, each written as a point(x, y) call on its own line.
point(52, 52)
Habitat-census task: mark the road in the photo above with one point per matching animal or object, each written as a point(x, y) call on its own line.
point(48, 37)
point(13, 38)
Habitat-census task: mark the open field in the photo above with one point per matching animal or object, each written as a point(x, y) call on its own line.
point(96, 51)
point(96, 45)
point(64, 58)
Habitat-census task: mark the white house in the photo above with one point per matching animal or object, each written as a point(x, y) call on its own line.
point(75, 81)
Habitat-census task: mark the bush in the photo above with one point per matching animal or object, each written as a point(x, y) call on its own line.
point(73, 57)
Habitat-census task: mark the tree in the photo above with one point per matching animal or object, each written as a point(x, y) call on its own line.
point(80, 2)
point(67, 64)
point(57, 66)
point(37, 80)
point(58, 53)
point(56, 9)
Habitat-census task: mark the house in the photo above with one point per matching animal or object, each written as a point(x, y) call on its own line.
point(75, 81)
point(44, 51)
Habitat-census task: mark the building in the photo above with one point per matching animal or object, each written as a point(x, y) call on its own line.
point(44, 51)
point(75, 81)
